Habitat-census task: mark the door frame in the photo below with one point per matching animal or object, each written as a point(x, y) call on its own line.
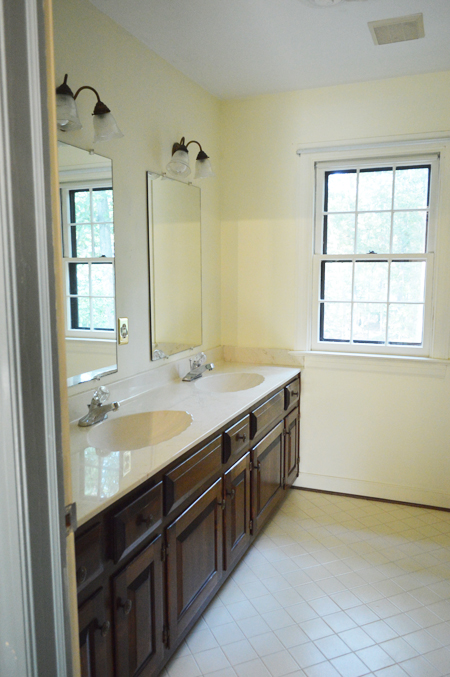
point(34, 618)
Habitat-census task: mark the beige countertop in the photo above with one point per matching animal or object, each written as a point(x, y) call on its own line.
point(100, 477)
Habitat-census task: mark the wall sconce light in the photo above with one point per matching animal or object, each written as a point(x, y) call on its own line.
point(179, 164)
point(105, 127)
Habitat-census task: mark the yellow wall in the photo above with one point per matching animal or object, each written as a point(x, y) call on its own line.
point(369, 430)
point(380, 431)
point(261, 237)
point(154, 105)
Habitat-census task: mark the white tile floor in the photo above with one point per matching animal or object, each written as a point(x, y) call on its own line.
point(333, 587)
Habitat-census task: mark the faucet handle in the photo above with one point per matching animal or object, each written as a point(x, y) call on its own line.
point(198, 360)
point(101, 394)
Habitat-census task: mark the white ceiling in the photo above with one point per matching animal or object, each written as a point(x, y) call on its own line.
point(238, 48)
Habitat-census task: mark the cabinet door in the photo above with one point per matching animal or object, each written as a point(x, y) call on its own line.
point(291, 447)
point(94, 637)
point(195, 560)
point(138, 613)
point(267, 484)
point(237, 510)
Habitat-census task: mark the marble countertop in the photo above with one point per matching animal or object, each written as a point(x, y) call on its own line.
point(100, 477)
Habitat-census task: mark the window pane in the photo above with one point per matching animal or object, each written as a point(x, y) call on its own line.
point(102, 204)
point(341, 189)
point(375, 189)
point(103, 314)
point(369, 322)
point(411, 188)
point(409, 232)
point(371, 280)
point(81, 241)
point(340, 235)
point(407, 281)
point(80, 317)
point(79, 278)
point(102, 279)
point(336, 321)
point(374, 233)
point(405, 323)
point(103, 239)
point(81, 206)
point(337, 280)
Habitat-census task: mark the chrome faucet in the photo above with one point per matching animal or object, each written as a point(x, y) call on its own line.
point(159, 355)
point(197, 367)
point(97, 410)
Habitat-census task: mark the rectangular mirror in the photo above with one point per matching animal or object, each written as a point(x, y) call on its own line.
point(175, 256)
point(87, 222)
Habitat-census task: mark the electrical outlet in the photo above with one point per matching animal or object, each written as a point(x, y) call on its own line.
point(123, 330)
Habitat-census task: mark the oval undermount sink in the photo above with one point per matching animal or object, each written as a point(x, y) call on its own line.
point(136, 431)
point(228, 383)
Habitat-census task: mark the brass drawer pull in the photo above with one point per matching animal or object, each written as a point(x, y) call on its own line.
point(126, 607)
point(294, 393)
point(148, 521)
point(105, 628)
point(232, 493)
point(81, 575)
point(241, 437)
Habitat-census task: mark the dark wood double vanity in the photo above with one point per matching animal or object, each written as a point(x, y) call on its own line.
point(149, 564)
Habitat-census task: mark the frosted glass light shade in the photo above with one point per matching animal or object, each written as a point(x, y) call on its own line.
point(179, 163)
point(203, 169)
point(66, 113)
point(105, 127)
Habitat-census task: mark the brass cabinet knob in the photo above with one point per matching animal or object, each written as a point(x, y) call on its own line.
point(126, 606)
point(148, 521)
point(81, 575)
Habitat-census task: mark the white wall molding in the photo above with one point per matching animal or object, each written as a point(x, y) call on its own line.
point(390, 492)
point(385, 364)
point(376, 143)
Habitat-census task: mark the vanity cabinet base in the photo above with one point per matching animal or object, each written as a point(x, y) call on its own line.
point(181, 535)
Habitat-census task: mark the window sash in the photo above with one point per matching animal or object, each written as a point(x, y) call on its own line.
point(371, 347)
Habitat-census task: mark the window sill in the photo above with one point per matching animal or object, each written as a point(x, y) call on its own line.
point(387, 364)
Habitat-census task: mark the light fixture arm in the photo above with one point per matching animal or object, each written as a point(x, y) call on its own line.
point(100, 107)
point(184, 147)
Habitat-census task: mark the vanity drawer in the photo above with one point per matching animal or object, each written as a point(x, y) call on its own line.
point(186, 478)
point(262, 417)
point(88, 552)
point(137, 521)
point(236, 438)
point(292, 394)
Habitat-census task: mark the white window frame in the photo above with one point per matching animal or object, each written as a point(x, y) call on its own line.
point(367, 162)
point(65, 188)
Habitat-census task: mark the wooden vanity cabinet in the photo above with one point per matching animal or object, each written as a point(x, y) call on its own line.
point(138, 603)
point(148, 566)
point(291, 448)
point(194, 559)
point(267, 461)
point(237, 516)
point(95, 637)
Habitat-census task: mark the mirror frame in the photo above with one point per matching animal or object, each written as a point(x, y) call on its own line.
point(152, 176)
point(94, 374)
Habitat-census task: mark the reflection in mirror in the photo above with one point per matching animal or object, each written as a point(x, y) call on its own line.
point(87, 223)
point(175, 265)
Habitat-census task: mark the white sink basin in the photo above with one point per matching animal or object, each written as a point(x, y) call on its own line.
point(136, 431)
point(228, 383)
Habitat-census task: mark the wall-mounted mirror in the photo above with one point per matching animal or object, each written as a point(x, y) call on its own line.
point(175, 258)
point(87, 221)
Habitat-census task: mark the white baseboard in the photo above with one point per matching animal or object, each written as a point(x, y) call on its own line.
point(390, 492)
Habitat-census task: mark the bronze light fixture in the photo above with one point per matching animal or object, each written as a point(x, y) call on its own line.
point(179, 164)
point(105, 126)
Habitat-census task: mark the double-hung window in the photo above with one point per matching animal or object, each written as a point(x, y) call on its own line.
point(88, 245)
point(373, 263)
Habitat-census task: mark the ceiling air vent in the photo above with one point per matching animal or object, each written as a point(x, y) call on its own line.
point(400, 29)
